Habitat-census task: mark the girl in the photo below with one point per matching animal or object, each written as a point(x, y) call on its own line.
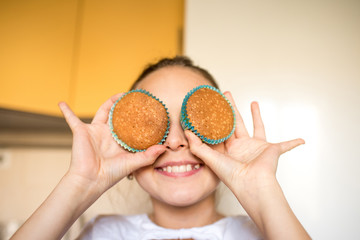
point(183, 204)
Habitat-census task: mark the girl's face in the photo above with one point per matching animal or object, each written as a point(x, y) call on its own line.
point(177, 177)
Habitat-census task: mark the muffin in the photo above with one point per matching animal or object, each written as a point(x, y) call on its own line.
point(139, 120)
point(206, 112)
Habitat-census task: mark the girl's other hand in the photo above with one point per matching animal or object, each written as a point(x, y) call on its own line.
point(248, 167)
point(247, 160)
point(97, 159)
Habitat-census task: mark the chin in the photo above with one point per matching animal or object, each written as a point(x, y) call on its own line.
point(184, 198)
point(181, 199)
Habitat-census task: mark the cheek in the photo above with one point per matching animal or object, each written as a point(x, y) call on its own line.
point(144, 177)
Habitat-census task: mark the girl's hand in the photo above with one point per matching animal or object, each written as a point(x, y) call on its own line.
point(97, 159)
point(248, 167)
point(246, 160)
point(97, 163)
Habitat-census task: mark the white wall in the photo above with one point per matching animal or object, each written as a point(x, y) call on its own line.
point(301, 61)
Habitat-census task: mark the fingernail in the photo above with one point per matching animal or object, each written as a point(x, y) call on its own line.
point(187, 133)
point(160, 150)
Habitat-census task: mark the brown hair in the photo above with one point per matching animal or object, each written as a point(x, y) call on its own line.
point(176, 61)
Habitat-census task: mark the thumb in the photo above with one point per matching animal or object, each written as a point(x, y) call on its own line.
point(288, 145)
point(142, 159)
point(217, 161)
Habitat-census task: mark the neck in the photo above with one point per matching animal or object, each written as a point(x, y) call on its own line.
point(199, 214)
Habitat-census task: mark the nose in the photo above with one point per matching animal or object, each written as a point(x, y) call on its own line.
point(176, 139)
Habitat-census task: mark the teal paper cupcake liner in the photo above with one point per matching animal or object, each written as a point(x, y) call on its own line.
point(122, 143)
point(187, 125)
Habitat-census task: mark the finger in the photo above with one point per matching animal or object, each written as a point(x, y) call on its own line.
point(230, 139)
point(259, 130)
point(102, 114)
point(240, 129)
point(212, 158)
point(288, 145)
point(142, 159)
point(72, 120)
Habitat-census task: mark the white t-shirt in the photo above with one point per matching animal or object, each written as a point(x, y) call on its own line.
point(140, 227)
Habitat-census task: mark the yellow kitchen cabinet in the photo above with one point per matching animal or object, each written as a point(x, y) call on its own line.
point(36, 48)
point(118, 38)
point(80, 51)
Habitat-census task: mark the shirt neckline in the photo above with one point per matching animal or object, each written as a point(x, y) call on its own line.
point(221, 221)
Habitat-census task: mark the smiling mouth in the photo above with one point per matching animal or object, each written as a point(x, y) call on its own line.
point(180, 170)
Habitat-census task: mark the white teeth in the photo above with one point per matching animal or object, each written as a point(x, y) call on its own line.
point(180, 168)
point(188, 167)
point(175, 169)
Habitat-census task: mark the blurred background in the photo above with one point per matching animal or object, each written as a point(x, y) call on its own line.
point(299, 59)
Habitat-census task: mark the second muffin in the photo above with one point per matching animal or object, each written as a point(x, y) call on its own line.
point(207, 113)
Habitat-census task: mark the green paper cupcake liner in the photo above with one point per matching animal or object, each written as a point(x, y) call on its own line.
point(187, 125)
point(114, 135)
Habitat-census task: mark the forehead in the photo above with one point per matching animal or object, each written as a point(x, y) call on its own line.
point(172, 79)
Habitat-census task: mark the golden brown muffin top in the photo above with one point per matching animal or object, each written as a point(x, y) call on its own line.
point(210, 114)
point(139, 120)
